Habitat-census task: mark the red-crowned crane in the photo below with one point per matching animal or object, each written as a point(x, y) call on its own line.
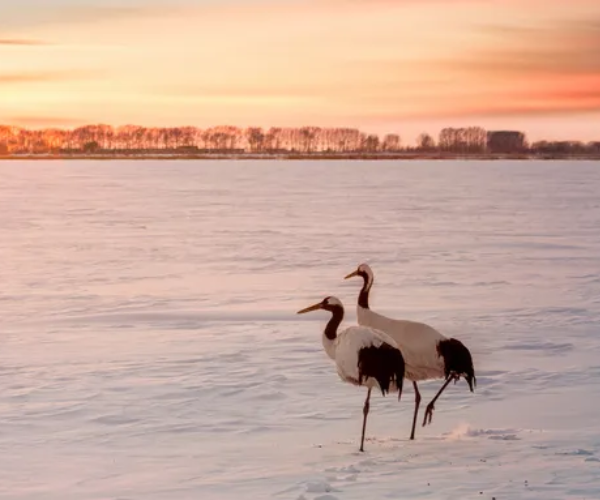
point(363, 356)
point(428, 354)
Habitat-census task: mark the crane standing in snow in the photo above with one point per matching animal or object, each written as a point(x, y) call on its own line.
point(428, 353)
point(363, 355)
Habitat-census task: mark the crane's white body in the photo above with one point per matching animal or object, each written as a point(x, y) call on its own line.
point(427, 353)
point(345, 348)
point(417, 341)
point(363, 356)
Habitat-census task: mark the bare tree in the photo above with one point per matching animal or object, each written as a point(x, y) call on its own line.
point(255, 138)
point(370, 143)
point(425, 142)
point(391, 142)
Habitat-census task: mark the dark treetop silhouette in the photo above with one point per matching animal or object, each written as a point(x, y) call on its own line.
point(107, 140)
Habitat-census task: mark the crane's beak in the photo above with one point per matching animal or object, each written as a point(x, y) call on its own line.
point(311, 308)
point(352, 274)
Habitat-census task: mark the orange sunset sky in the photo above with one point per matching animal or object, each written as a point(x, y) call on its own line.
point(381, 65)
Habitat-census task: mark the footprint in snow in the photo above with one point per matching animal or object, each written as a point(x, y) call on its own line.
point(320, 487)
point(344, 469)
point(577, 453)
point(346, 473)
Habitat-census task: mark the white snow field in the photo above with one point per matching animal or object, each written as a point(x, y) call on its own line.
point(149, 346)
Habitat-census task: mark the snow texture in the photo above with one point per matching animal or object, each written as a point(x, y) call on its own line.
point(150, 350)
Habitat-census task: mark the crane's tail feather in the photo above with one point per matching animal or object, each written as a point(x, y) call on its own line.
point(385, 364)
point(472, 381)
point(458, 361)
point(399, 373)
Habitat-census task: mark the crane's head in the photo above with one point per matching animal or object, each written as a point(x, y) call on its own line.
point(364, 271)
point(328, 303)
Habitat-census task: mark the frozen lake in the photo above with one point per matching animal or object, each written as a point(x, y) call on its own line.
point(149, 347)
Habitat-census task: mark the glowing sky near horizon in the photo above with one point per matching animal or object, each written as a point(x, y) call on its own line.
point(382, 65)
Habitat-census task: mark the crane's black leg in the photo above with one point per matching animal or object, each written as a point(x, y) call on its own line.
point(365, 413)
point(430, 406)
point(417, 403)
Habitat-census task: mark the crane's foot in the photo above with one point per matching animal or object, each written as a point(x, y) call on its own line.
point(428, 414)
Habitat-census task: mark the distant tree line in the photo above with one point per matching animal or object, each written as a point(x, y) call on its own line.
point(228, 139)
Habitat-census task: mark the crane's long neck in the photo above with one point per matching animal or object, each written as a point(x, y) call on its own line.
point(337, 315)
point(363, 296)
point(330, 332)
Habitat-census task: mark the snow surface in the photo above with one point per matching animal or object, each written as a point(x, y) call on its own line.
point(149, 346)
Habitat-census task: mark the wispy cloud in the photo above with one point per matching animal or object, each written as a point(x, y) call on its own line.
point(29, 14)
point(44, 121)
point(21, 42)
point(521, 70)
point(43, 76)
point(571, 47)
point(96, 13)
